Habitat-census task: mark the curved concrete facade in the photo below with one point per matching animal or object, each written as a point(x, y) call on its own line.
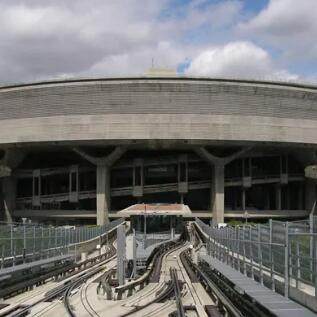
point(227, 148)
point(158, 108)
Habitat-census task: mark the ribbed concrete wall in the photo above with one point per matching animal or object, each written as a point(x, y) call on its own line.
point(158, 109)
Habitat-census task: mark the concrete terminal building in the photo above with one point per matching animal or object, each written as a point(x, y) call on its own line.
point(81, 150)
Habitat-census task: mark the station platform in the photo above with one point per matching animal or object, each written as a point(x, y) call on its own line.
point(9, 271)
point(274, 302)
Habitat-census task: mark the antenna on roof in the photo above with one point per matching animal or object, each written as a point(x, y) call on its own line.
point(152, 62)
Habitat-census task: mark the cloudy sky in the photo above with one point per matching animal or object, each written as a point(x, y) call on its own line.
point(264, 39)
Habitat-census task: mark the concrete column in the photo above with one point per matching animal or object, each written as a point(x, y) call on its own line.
point(243, 198)
point(218, 189)
point(310, 194)
point(300, 197)
point(182, 175)
point(217, 193)
point(103, 194)
point(278, 197)
point(267, 200)
point(73, 183)
point(9, 196)
point(138, 178)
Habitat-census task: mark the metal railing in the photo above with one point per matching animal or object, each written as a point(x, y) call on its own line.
point(278, 252)
point(21, 243)
point(153, 238)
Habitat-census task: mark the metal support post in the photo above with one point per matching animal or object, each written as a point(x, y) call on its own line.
point(311, 246)
point(251, 252)
point(34, 235)
point(121, 254)
point(272, 257)
point(244, 260)
point(260, 254)
point(134, 255)
point(11, 240)
point(286, 260)
point(24, 244)
point(298, 272)
point(315, 264)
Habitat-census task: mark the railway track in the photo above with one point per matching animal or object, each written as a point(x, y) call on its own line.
point(61, 291)
point(177, 292)
point(229, 300)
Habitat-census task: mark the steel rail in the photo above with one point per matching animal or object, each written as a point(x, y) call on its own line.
point(177, 293)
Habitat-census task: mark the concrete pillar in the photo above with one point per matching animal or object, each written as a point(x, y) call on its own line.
point(182, 176)
point(243, 198)
point(217, 193)
point(217, 188)
point(9, 196)
point(138, 178)
point(310, 194)
point(103, 194)
point(267, 198)
point(73, 183)
point(300, 197)
point(278, 197)
point(36, 194)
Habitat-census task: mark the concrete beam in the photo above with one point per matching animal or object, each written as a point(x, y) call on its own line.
point(210, 158)
point(108, 160)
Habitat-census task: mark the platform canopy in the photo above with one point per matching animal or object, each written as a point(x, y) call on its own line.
point(156, 209)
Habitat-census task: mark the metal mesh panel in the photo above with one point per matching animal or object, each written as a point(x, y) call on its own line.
point(26, 242)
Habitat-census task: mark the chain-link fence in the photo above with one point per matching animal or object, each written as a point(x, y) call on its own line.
point(21, 243)
point(278, 252)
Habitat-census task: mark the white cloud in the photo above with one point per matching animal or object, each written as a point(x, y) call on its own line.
point(289, 25)
point(238, 60)
point(44, 39)
point(56, 38)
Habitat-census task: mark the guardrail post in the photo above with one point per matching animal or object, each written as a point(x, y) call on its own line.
point(55, 246)
point(24, 244)
point(315, 263)
point(227, 239)
point(260, 254)
point(49, 242)
point(286, 261)
point(251, 252)
point(34, 235)
point(11, 240)
point(238, 247)
point(42, 239)
point(2, 256)
point(272, 257)
point(298, 272)
point(244, 260)
point(231, 243)
point(311, 247)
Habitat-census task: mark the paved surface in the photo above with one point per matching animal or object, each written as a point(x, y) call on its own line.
point(277, 304)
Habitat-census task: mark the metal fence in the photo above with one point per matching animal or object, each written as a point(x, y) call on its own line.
point(150, 239)
point(278, 252)
point(21, 243)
